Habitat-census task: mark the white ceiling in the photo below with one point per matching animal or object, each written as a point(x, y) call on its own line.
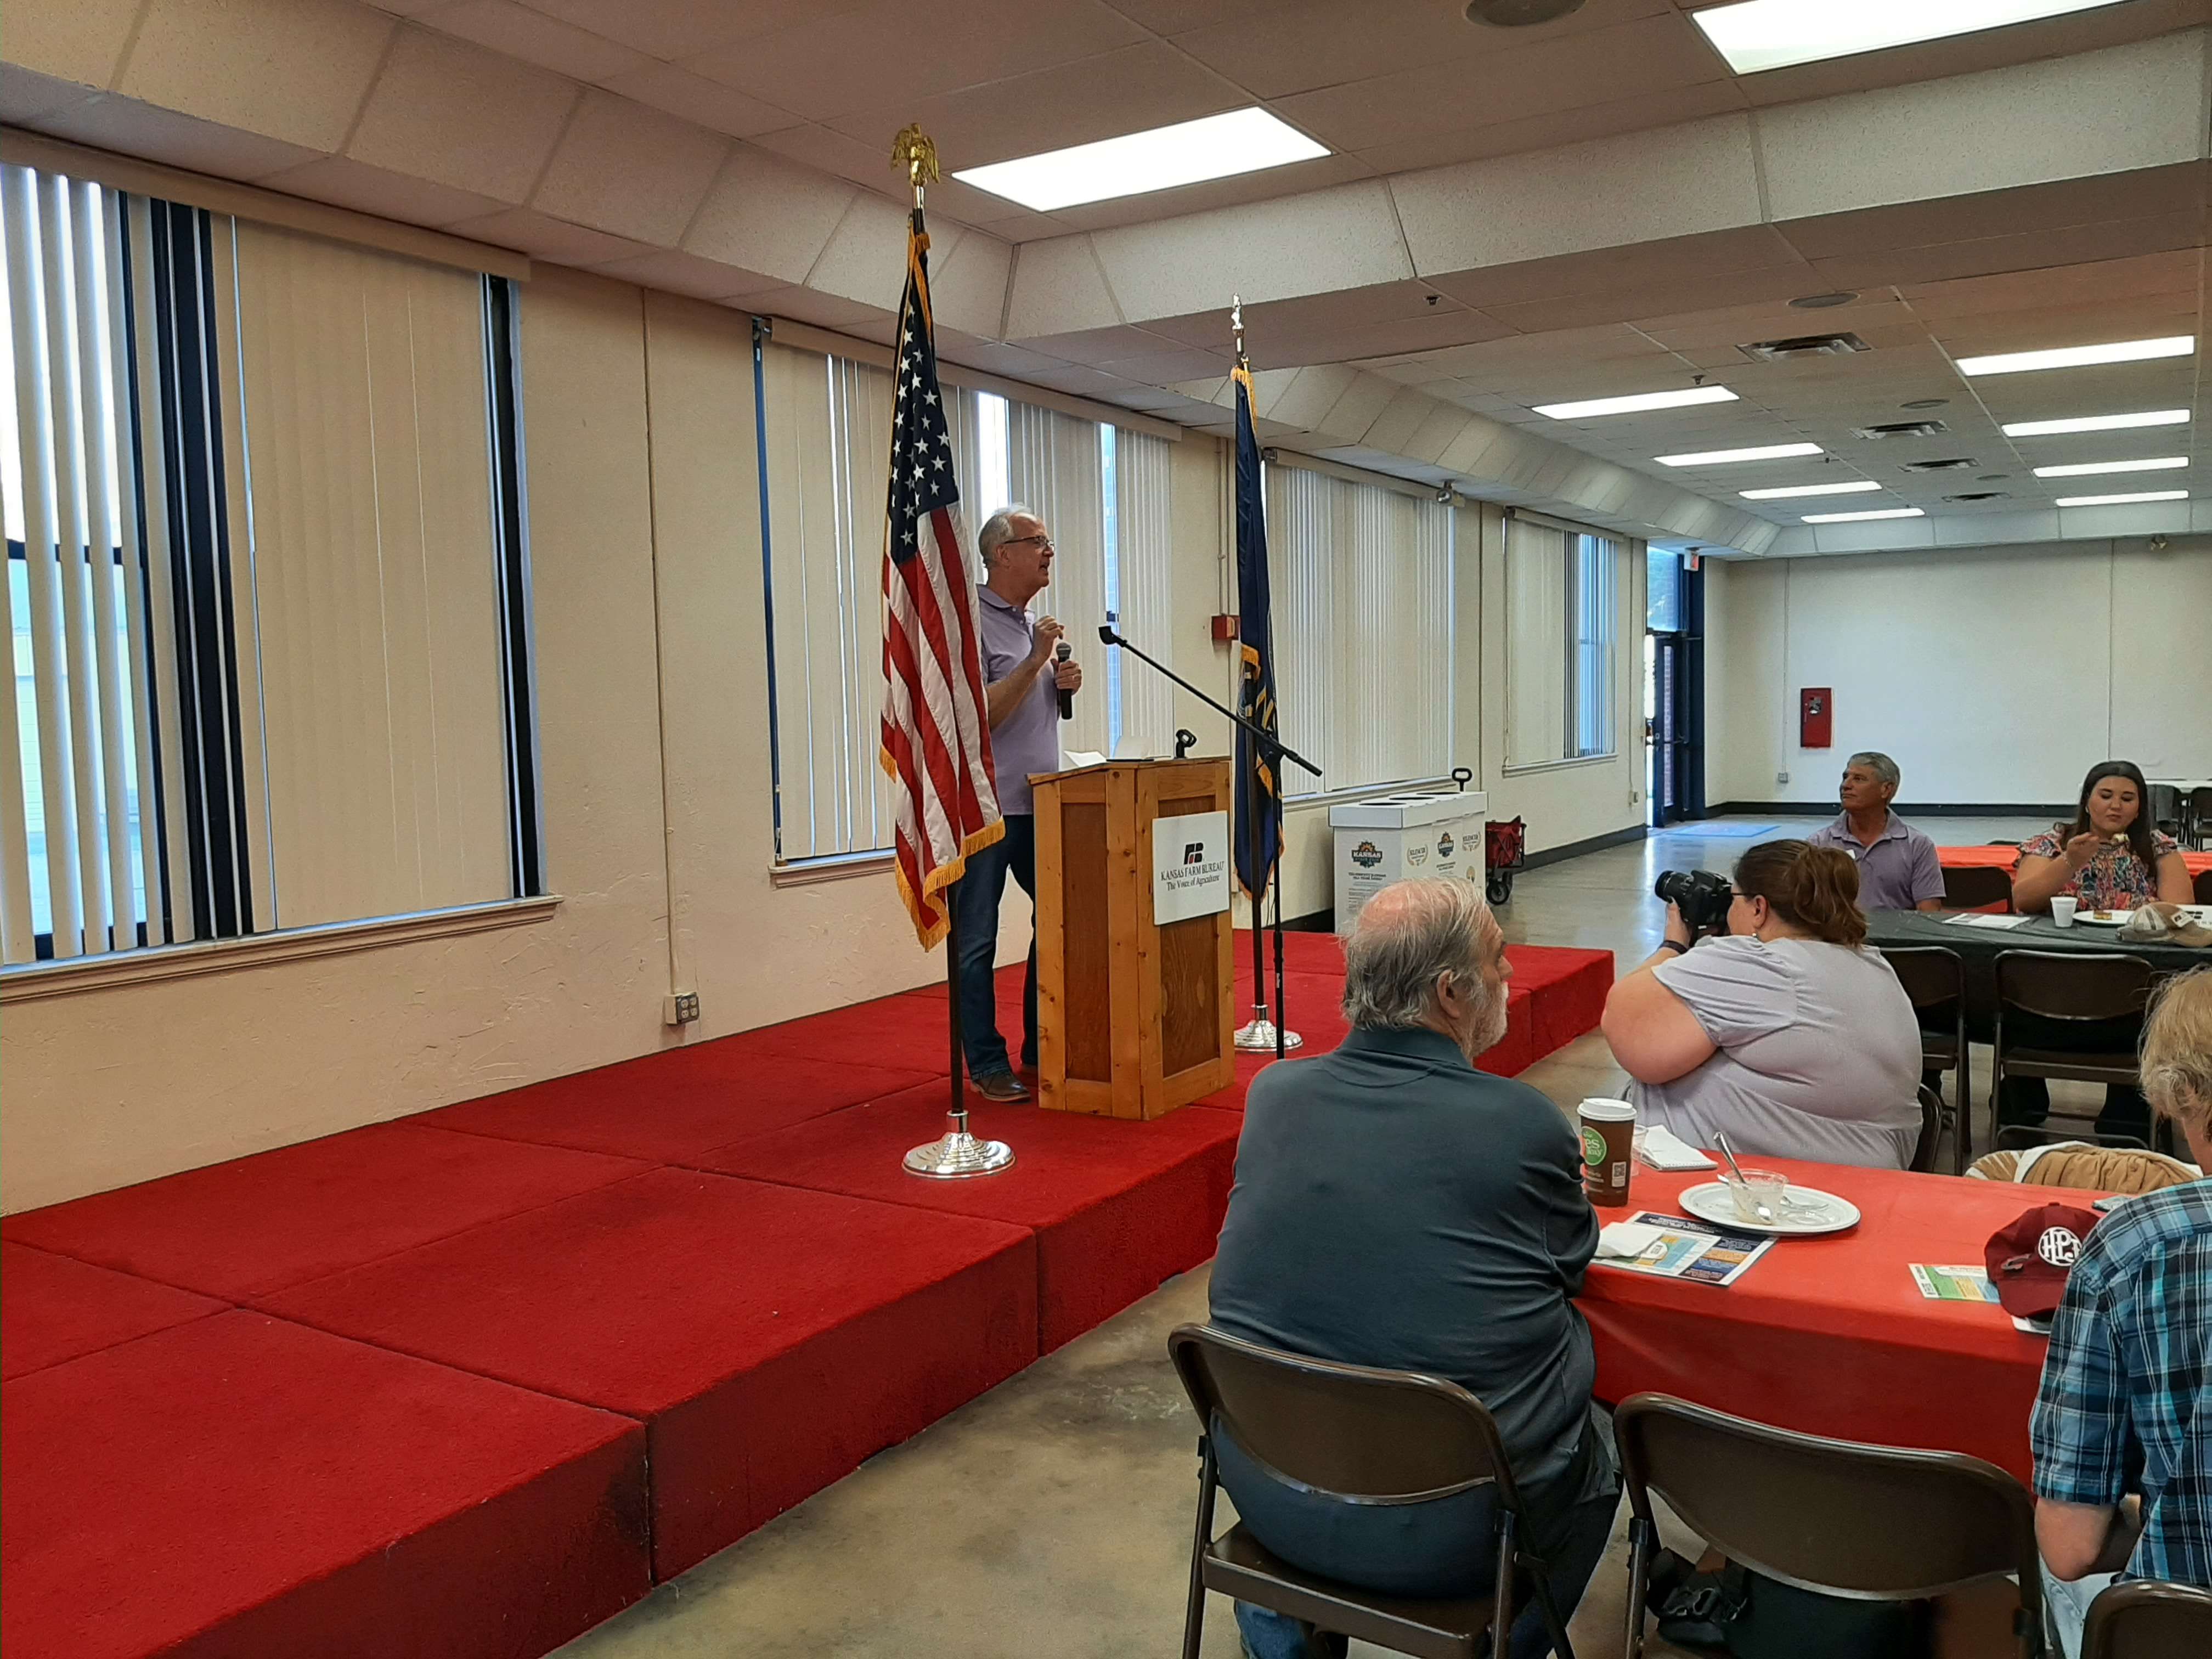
point(1514, 217)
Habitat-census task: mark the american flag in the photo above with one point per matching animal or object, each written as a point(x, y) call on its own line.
point(937, 741)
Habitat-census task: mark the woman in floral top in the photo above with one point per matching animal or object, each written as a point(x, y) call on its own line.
point(2110, 858)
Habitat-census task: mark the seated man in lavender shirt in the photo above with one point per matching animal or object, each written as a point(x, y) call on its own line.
point(1897, 867)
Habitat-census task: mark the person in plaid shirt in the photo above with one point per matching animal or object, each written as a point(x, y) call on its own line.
point(2123, 1427)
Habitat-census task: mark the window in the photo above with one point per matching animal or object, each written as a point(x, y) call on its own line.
point(1561, 597)
point(267, 586)
point(1362, 579)
point(1103, 492)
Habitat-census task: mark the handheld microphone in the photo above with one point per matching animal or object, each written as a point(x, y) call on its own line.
point(1061, 653)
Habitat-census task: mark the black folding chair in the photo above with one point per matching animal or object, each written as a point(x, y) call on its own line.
point(2066, 987)
point(1869, 1523)
point(1370, 1437)
point(2144, 1618)
point(1935, 982)
point(1971, 886)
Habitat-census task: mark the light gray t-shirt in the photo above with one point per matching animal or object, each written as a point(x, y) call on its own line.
point(1819, 1054)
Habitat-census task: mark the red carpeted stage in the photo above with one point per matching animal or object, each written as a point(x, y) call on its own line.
point(468, 1383)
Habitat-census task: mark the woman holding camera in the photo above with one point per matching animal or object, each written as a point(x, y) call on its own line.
point(1786, 1033)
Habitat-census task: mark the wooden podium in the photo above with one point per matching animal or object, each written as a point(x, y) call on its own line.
point(1134, 1018)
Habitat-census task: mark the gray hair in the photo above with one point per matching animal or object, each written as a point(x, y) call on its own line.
point(1878, 763)
point(1404, 940)
point(998, 530)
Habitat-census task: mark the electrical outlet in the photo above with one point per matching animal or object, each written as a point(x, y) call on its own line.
point(680, 1009)
point(1635, 797)
point(1781, 777)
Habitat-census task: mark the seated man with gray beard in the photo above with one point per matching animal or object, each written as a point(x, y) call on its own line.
point(1395, 1208)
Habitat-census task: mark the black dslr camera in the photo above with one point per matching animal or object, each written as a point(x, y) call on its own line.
point(1702, 897)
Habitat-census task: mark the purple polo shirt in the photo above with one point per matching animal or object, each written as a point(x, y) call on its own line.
point(1028, 740)
point(1899, 870)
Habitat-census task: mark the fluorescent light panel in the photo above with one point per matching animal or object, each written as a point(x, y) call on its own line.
point(2085, 469)
point(1854, 517)
point(1788, 492)
point(2120, 351)
point(2097, 424)
point(1721, 457)
point(1766, 34)
point(2122, 501)
point(1637, 403)
point(1188, 153)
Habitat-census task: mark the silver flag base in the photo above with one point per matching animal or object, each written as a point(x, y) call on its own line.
point(956, 1155)
point(1259, 1036)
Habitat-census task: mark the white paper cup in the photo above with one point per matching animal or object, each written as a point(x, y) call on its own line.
point(2063, 910)
point(1608, 1137)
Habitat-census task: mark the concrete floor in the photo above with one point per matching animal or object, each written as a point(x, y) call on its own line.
point(1050, 1519)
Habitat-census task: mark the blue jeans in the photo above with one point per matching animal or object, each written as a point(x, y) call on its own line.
point(975, 914)
point(2067, 1602)
point(1448, 1547)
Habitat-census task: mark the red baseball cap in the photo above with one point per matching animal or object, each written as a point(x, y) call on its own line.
point(2029, 1257)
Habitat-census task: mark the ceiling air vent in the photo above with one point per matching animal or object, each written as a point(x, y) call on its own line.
point(1955, 463)
point(1803, 345)
point(1902, 429)
point(1977, 495)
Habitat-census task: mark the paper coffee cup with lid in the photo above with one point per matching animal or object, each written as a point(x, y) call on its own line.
point(1608, 1128)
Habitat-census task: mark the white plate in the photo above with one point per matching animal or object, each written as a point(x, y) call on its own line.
point(1806, 1211)
point(2103, 918)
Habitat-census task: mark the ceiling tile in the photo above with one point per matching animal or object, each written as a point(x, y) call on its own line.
point(708, 103)
point(1664, 107)
point(1625, 270)
point(629, 171)
point(1131, 90)
point(968, 285)
point(865, 258)
point(764, 213)
point(349, 184)
point(537, 39)
point(1016, 362)
point(675, 28)
point(1334, 42)
point(875, 59)
point(293, 71)
point(1927, 264)
point(1059, 287)
point(125, 125)
point(1627, 60)
point(544, 237)
point(1174, 16)
point(2026, 208)
point(1676, 181)
point(2153, 274)
point(804, 305)
point(461, 116)
point(81, 41)
point(1169, 364)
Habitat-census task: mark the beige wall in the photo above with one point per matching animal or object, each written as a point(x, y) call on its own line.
point(645, 544)
point(1992, 674)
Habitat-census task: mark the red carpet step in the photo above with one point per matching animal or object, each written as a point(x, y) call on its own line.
point(770, 1339)
point(1115, 1206)
point(255, 1225)
point(238, 1487)
point(53, 1309)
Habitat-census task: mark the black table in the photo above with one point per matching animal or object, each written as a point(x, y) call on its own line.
point(1977, 948)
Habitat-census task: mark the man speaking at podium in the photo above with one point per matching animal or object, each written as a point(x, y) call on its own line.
point(1029, 682)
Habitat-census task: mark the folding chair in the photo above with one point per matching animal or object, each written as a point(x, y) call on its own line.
point(2203, 885)
point(2196, 816)
point(1931, 1131)
point(1935, 982)
point(2143, 1618)
point(1973, 886)
point(1869, 1523)
point(2065, 986)
point(1375, 1437)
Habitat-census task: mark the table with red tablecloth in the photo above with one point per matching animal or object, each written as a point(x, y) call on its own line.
point(1831, 1335)
point(2003, 855)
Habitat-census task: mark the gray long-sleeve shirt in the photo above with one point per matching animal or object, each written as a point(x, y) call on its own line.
point(1395, 1208)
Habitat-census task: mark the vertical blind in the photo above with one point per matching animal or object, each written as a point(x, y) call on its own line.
point(1562, 603)
point(1362, 579)
point(263, 677)
point(827, 431)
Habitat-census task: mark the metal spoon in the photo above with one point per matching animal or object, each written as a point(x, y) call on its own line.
point(1758, 1205)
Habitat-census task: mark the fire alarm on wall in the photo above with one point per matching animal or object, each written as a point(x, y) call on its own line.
point(1224, 628)
point(1815, 716)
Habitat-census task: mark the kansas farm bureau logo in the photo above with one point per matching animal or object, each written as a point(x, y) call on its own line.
point(2059, 1246)
point(1367, 855)
point(1193, 852)
point(1445, 844)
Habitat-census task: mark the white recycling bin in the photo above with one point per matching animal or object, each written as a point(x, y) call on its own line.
point(1420, 832)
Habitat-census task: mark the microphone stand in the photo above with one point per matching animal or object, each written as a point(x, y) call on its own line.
point(1276, 751)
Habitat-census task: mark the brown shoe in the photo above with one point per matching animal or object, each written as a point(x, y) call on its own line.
point(1002, 1086)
